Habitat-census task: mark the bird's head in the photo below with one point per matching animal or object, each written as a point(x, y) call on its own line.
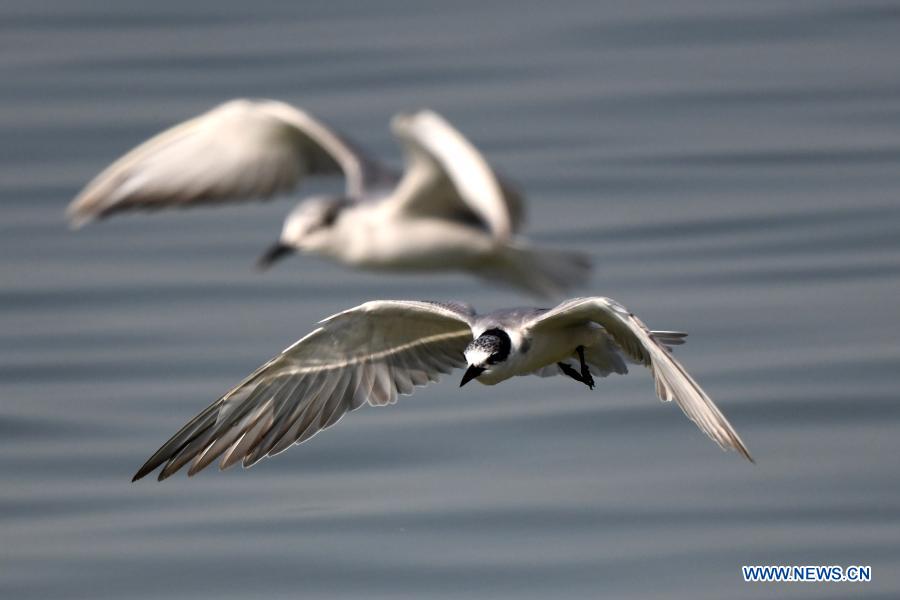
point(306, 228)
point(490, 348)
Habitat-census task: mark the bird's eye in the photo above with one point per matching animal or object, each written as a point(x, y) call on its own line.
point(499, 345)
point(331, 216)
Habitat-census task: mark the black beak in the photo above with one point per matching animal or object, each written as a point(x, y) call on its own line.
point(274, 253)
point(471, 373)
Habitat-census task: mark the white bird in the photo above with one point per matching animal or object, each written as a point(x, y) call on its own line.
point(385, 348)
point(448, 211)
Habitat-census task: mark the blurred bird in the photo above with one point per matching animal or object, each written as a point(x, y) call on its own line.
point(448, 211)
point(372, 353)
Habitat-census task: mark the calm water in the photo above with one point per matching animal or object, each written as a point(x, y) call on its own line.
point(733, 167)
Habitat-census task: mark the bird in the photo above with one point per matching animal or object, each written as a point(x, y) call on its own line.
point(379, 350)
point(448, 211)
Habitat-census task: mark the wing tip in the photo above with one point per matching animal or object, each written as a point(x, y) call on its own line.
point(142, 472)
point(163, 474)
point(741, 449)
point(78, 215)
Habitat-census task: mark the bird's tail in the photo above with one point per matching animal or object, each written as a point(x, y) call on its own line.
point(541, 272)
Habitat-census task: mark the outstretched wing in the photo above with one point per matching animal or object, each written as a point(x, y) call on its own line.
point(370, 353)
point(648, 348)
point(240, 150)
point(446, 176)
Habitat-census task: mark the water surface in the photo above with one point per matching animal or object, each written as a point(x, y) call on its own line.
point(733, 169)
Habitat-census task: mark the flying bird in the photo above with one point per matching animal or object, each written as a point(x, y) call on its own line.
point(448, 210)
point(385, 348)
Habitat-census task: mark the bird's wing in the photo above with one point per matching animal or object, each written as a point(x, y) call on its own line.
point(641, 345)
point(240, 150)
point(606, 357)
point(370, 353)
point(447, 176)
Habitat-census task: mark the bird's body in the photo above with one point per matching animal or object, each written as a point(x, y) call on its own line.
point(385, 348)
point(367, 236)
point(448, 211)
point(531, 352)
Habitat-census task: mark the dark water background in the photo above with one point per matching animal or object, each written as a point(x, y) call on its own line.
point(733, 167)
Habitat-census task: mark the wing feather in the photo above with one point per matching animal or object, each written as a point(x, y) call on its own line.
point(650, 349)
point(297, 423)
point(368, 354)
point(447, 176)
point(240, 150)
point(282, 407)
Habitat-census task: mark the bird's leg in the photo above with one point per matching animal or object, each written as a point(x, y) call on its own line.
point(570, 372)
point(585, 372)
point(584, 376)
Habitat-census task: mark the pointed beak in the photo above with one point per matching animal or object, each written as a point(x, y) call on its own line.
point(275, 252)
point(471, 373)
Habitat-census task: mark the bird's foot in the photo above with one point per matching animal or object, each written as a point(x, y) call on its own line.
point(580, 377)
